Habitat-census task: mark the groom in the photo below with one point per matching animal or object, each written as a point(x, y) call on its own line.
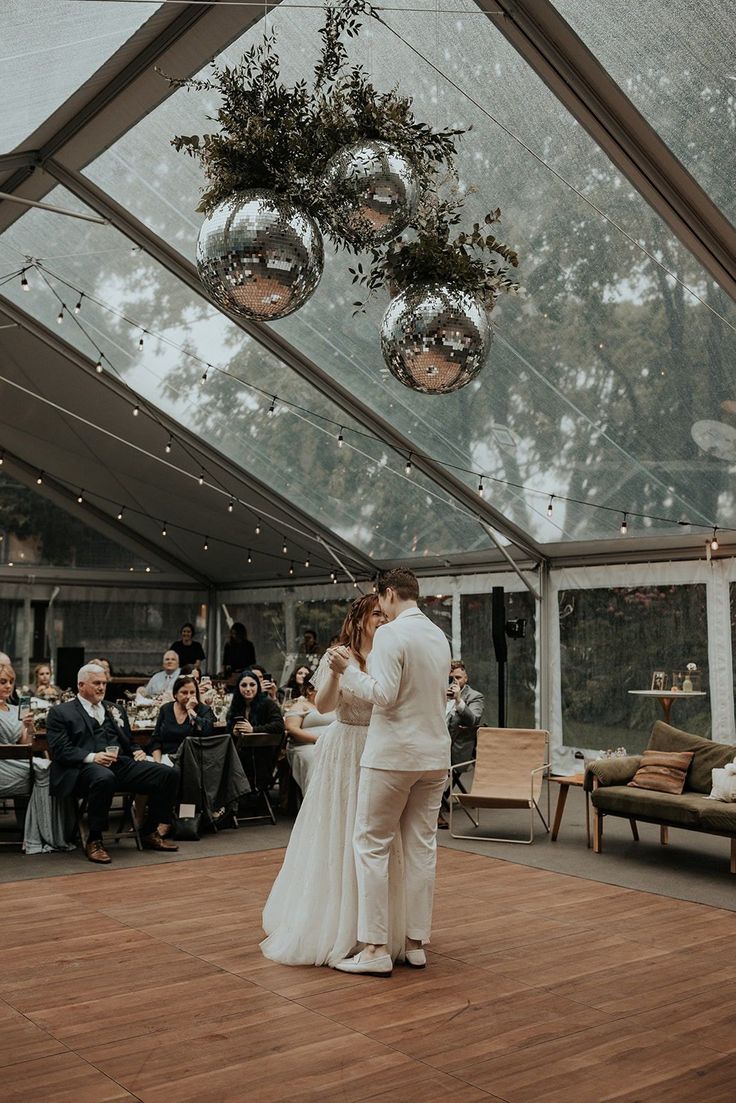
point(403, 769)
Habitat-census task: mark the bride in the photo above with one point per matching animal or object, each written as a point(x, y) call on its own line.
point(311, 915)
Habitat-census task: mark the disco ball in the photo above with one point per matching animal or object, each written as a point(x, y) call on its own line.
point(435, 338)
point(259, 255)
point(382, 187)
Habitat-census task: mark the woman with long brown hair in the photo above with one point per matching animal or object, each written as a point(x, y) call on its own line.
point(311, 915)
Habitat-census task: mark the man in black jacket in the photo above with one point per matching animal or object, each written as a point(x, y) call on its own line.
point(80, 733)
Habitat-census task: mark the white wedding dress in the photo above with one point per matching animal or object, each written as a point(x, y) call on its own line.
point(311, 915)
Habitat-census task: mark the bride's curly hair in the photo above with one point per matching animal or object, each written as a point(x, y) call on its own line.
point(353, 627)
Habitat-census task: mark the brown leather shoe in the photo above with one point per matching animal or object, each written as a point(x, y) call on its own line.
point(154, 841)
point(442, 823)
point(96, 852)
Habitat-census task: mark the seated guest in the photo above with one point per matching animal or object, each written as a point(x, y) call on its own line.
point(161, 683)
point(42, 685)
point(188, 650)
point(296, 682)
point(310, 652)
point(238, 653)
point(180, 718)
point(191, 670)
point(13, 729)
point(304, 725)
point(464, 714)
point(80, 733)
point(252, 710)
point(107, 667)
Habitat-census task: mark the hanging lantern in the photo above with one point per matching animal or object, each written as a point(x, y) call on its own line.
point(435, 338)
point(259, 255)
point(381, 186)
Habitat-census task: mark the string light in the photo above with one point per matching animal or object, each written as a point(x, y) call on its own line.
point(140, 342)
point(409, 464)
point(60, 315)
point(148, 570)
point(231, 505)
point(98, 365)
point(163, 528)
point(258, 526)
point(284, 549)
point(78, 307)
point(205, 546)
point(250, 556)
point(80, 496)
point(2, 458)
point(340, 439)
point(120, 513)
point(549, 507)
point(480, 486)
point(200, 480)
point(333, 576)
point(39, 480)
point(306, 562)
point(203, 380)
point(272, 407)
point(136, 410)
point(24, 282)
point(169, 444)
point(291, 568)
point(624, 525)
point(334, 580)
point(714, 545)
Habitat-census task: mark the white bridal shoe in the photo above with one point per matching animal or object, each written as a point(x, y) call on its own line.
point(416, 959)
point(368, 966)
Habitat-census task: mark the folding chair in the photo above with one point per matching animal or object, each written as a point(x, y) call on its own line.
point(126, 829)
point(510, 766)
point(18, 752)
point(259, 754)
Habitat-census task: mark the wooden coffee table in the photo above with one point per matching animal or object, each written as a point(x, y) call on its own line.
point(564, 783)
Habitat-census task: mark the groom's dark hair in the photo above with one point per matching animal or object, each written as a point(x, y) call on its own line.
point(402, 581)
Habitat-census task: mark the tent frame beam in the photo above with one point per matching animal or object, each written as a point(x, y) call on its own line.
point(579, 81)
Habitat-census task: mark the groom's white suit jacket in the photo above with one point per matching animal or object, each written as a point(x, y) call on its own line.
point(406, 679)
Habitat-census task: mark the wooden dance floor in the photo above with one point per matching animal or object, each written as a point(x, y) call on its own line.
point(148, 984)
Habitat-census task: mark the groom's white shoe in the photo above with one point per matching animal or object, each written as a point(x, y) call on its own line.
point(368, 966)
point(416, 959)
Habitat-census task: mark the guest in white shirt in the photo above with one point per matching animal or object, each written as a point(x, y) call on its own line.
point(161, 683)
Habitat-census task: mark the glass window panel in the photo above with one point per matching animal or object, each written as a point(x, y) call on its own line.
point(323, 617)
point(48, 50)
point(675, 63)
point(35, 532)
point(266, 628)
point(480, 661)
point(438, 607)
point(11, 613)
point(613, 641)
point(360, 491)
point(587, 370)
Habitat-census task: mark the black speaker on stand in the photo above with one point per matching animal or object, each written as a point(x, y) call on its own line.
point(68, 662)
point(498, 635)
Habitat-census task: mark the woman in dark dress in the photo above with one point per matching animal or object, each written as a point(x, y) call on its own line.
point(187, 648)
point(180, 718)
point(238, 653)
point(252, 710)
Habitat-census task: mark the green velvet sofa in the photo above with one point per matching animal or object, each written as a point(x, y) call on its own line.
point(606, 781)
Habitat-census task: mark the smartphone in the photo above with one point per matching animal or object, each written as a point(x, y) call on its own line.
point(451, 681)
point(24, 704)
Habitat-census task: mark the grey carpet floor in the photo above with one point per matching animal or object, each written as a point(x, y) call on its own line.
point(692, 867)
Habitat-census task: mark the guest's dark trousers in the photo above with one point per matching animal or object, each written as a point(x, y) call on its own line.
point(100, 783)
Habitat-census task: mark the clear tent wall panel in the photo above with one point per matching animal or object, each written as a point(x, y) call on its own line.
point(675, 62)
point(49, 49)
point(596, 379)
point(359, 491)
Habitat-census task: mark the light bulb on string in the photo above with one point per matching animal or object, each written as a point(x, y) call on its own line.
point(200, 480)
point(163, 528)
point(714, 545)
point(409, 465)
point(250, 556)
point(306, 562)
point(24, 281)
point(60, 315)
point(291, 568)
point(120, 514)
point(258, 526)
point(284, 548)
point(169, 444)
point(136, 410)
point(333, 575)
point(39, 479)
point(2, 458)
point(140, 342)
point(78, 307)
point(480, 486)
point(80, 497)
point(205, 546)
point(624, 525)
point(549, 507)
point(272, 407)
point(148, 570)
point(98, 365)
point(231, 505)
point(203, 380)
point(340, 439)
point(334, 581)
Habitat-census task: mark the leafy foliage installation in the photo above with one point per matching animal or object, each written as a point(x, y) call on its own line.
point(279, 138)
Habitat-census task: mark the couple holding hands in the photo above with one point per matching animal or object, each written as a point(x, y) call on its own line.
point(356, 887)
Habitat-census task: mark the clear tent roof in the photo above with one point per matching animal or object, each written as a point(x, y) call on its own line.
point(606, 384)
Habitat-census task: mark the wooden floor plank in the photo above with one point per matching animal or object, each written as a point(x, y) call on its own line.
point(148, 983)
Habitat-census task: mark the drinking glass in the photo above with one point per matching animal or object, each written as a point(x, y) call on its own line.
point(113, 750)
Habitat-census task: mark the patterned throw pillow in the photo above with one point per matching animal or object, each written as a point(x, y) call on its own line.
point(663, 771)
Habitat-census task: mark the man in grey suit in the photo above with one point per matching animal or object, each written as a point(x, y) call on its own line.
point(464, 713)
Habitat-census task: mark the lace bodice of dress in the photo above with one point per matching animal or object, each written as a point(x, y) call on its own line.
point(351, 709)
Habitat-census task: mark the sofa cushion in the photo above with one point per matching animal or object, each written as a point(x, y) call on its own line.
point(719, 817)
point(707, 755)
point(620, 800)
point(662, 771)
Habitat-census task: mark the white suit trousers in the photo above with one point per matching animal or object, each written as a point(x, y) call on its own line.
point(391, 801)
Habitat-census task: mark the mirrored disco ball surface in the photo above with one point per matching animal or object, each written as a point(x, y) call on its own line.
point(435, 339)
point(382, 186)
point(259, 255)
